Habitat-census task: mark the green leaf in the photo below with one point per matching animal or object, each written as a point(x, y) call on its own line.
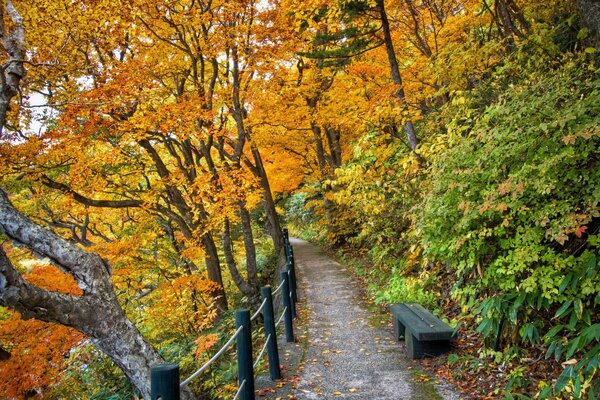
point(578, 307)
point(544, 394)
point(563, 309)
point(552, 332)
point(565, 282)
point(526, 332)
point(587, 317)
point(577, 387)
point(574, 347)
point(563, 379)
point(591, 332)
point(591, 266)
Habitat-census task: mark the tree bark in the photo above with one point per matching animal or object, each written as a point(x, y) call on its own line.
point(213, 270)
point(96, 312)
point(13, 70)
point(273, 225)
point(589, 12)
point(247, 288)
point(409, 128)
point(249, 247)
point(325, 172)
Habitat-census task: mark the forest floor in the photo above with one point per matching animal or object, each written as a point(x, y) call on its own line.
point(345, 347)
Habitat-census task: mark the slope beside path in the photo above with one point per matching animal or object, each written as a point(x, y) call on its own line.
point(345, 350)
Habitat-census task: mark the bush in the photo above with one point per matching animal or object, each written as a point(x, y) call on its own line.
point(400, 289)
point(515, 209)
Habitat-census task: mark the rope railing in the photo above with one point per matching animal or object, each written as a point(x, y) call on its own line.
point(237, 394)
point(257, 313)
point(262, 351)
point(214, 358)
point(278, 288)
point(281, 317)
point(165, 377)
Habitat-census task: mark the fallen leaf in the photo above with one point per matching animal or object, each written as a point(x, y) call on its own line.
point(572, 361)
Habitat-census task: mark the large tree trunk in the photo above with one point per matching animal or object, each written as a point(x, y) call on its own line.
point(325, 172)
point(273, 225)
point(409, 128)
point(96, 312)
point(589, 12)
point(249, 247)
point(248, 289)
point(213, 270)
point(12, 39)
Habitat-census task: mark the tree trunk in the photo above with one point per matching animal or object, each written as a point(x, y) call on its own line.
point(335, 150)
point(248, 290)
point(589, 12)
point(12, 40)
point(324, 172)
point(213, 269)
point(409, 128)
point(96, 312)
point(273, 225)
point(249, 247)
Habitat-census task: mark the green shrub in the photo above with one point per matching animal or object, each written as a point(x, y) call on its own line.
point(515, 210)
point(399, 289)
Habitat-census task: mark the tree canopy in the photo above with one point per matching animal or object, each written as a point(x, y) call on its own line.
point(150, 151)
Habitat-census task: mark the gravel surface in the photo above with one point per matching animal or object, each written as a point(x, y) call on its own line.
point(345, 349)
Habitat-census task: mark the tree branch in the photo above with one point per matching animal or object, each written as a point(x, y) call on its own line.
point(46, 181)
point(34, 302)
point(86, 268)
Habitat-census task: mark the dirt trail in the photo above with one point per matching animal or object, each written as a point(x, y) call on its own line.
point(345, 351)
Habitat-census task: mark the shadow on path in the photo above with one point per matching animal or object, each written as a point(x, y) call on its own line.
point(344, 351)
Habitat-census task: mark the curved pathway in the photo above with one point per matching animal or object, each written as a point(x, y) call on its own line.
point(347, 352)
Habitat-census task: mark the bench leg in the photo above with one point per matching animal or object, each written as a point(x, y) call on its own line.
point(398, 329)
point(420, 349)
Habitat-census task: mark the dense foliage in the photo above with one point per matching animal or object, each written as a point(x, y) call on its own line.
point(499, 208)
point(449, 148)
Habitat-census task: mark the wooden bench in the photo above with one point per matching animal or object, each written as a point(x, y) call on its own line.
point(424, 334)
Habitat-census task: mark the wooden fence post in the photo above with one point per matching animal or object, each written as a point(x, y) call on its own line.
point(292, 280)
point(270, 329)
point(287, 306)
point(293, 285)
point(164, 382)
point(244, 354)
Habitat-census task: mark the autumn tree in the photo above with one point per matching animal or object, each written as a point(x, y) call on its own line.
point(367, 24)
point(136, 136)
point(96, 312)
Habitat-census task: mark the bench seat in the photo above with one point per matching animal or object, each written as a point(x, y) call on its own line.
point(427, 335)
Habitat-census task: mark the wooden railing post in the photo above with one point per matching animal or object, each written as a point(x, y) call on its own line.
point(292, 280)
point(164, 382)
point(244, 354)
point(270, 329)
point(287, 306)
point(293, 285)
point(286, 235)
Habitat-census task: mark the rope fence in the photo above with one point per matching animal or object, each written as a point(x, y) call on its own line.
point(237, 394)
point(257, 313)
point(281, 317)
point(164, 378)
point(262, 352)
point(214, 358)
point(278, 289)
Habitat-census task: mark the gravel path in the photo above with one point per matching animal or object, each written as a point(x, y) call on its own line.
point(345, 350)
